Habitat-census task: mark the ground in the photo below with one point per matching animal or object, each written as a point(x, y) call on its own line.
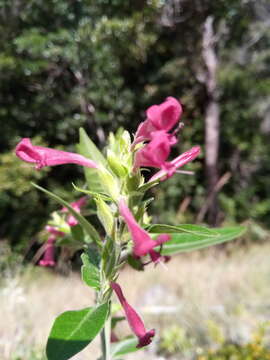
point(196, 302)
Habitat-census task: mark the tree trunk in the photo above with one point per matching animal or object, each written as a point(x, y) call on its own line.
point(212, 121)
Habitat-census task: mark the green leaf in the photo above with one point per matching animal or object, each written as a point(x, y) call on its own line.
point(90, 272)
point(69, 242)
point(74, 330)
point(143, 188)
point(90, 230)
point(135, 263)
point(124, 347)
point(115, 164)
point(91, 151)
point(88, 149)
point(189, 228)
point(92, 193)
point(109, 257)
point(77, 233)
point(105, 216)
point(188, 242)
point(116, 320)
point(109, 183)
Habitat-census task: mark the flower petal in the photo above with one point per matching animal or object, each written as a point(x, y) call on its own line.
point(43, 156)
point(141, 239)
point(135, 322)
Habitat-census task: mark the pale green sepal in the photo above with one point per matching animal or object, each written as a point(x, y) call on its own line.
point(115, 164)
point(109, 183)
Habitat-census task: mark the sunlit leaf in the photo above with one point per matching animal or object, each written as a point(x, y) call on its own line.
point(189, 228)
point(72, 331)
point(188, 242)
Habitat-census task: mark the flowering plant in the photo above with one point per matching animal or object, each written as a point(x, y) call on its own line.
point(116, 183)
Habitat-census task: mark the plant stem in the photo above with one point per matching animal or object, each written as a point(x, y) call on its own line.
point(106, 340)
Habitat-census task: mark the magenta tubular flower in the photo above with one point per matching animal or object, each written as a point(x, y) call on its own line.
point(156, 257)
point(135, 322)
point(76, 205)
point(155, 153)
point(52, 230)
point(173, 165)
point(159, 117)
point(144, 131)
point(43, 156)
point(48, 256)
point(165, 115)
point(143, 243)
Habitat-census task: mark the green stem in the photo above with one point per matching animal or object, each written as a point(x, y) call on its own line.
point(106, 340)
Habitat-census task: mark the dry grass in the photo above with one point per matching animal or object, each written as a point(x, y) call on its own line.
point(232, 291)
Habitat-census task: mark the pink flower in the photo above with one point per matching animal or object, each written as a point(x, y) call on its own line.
point(173, 165)
point(156, 257)
point(159, 117)
point(76, 205)
point(155, 153)
point(135, 322)
point(43, 156)
point(114, 338)
point(165, 115)
point(48, 256)
point(143, 243)
point(52, 230)
point(144, 131)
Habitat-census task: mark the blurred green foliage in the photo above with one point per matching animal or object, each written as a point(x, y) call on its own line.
point(176, 341)
point(254, 350)
point(100, 64)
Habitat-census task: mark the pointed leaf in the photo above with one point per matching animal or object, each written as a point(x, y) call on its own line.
point(77, 233)
point(116, 320)
point(90, 272)
point(92, 193)
point(109, 256)
point(188, 242)
point(72, 331)
point(90, 230)
point(189, 228)
point(91, 151)
point(124, 347)
point(105, 216)
point(88, 149)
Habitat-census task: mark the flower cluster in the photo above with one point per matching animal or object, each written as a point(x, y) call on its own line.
point(155, 129)
point(151, 147)
point(48, 259)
